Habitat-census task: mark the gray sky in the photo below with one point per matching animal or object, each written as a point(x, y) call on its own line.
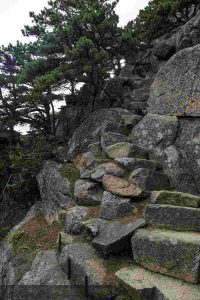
point(14, 14)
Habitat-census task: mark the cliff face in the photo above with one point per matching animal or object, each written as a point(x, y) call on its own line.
point(133, 163)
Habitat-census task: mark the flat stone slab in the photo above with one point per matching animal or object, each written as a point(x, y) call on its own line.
point(115, 238)
point(125, 150)
point(121, 187)
point(134, 163)
point(113, 206)
point(143, 284)
point(175, 198)
point(173, 217)
point(168, 252)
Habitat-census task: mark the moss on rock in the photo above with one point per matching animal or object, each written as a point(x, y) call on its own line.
point(70, 172)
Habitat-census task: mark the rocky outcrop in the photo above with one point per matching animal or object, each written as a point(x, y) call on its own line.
point(54, 189)
point(90, 130)
point(175, 88)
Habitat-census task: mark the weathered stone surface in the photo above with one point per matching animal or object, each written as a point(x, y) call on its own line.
point(138, 107)
point(112, 138)
point(87, 192)
point(143, 284)
point(83, 160)
point(92, 227)
point(45, 270)
point(74, 217)
point(188, 144)
point(155, 131)
point(95, 149)
point(54, 189)
point(135, 163)
point(164, 49)
point(149, 180)
point(121, 187)
point(83, 262)
point(113, 206)
point(126, 150)
point(131, 120)
point(115, 127)
point(115, 238)
point(90, 130)
point(109, 168)
point(188, 35)
point(167, 252)
point(175, 88)
point(175, 198)
point(173, 217)
point(5, 258)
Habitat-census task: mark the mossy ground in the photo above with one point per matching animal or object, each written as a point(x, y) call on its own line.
point(34, 236)
point(70, 172)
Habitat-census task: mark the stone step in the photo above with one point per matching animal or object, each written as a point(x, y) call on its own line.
point(84, 268)
point(168, 252)
point(149, 180)
point(173, 217)
point(115, 238)
point(132, 164)
point(174, 198)
point(126, 150)
point(111, 138)
point(143, 284)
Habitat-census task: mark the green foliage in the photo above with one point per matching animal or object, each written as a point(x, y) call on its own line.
point(161, 16)
point(28, 160)
point(70, 172)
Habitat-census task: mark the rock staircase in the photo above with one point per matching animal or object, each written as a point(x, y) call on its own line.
point(170, 245)
point(121, 239)
point(118, 176)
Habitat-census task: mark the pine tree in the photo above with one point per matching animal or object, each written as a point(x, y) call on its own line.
point(78, 42)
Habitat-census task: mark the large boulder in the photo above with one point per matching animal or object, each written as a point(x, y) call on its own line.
point(169, 253)
point(54, 189)
point(155, 131)
point(189, 34)
point(90, 130)
point(175, 90)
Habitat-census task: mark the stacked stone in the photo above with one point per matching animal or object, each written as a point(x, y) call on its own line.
point(169, 246)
